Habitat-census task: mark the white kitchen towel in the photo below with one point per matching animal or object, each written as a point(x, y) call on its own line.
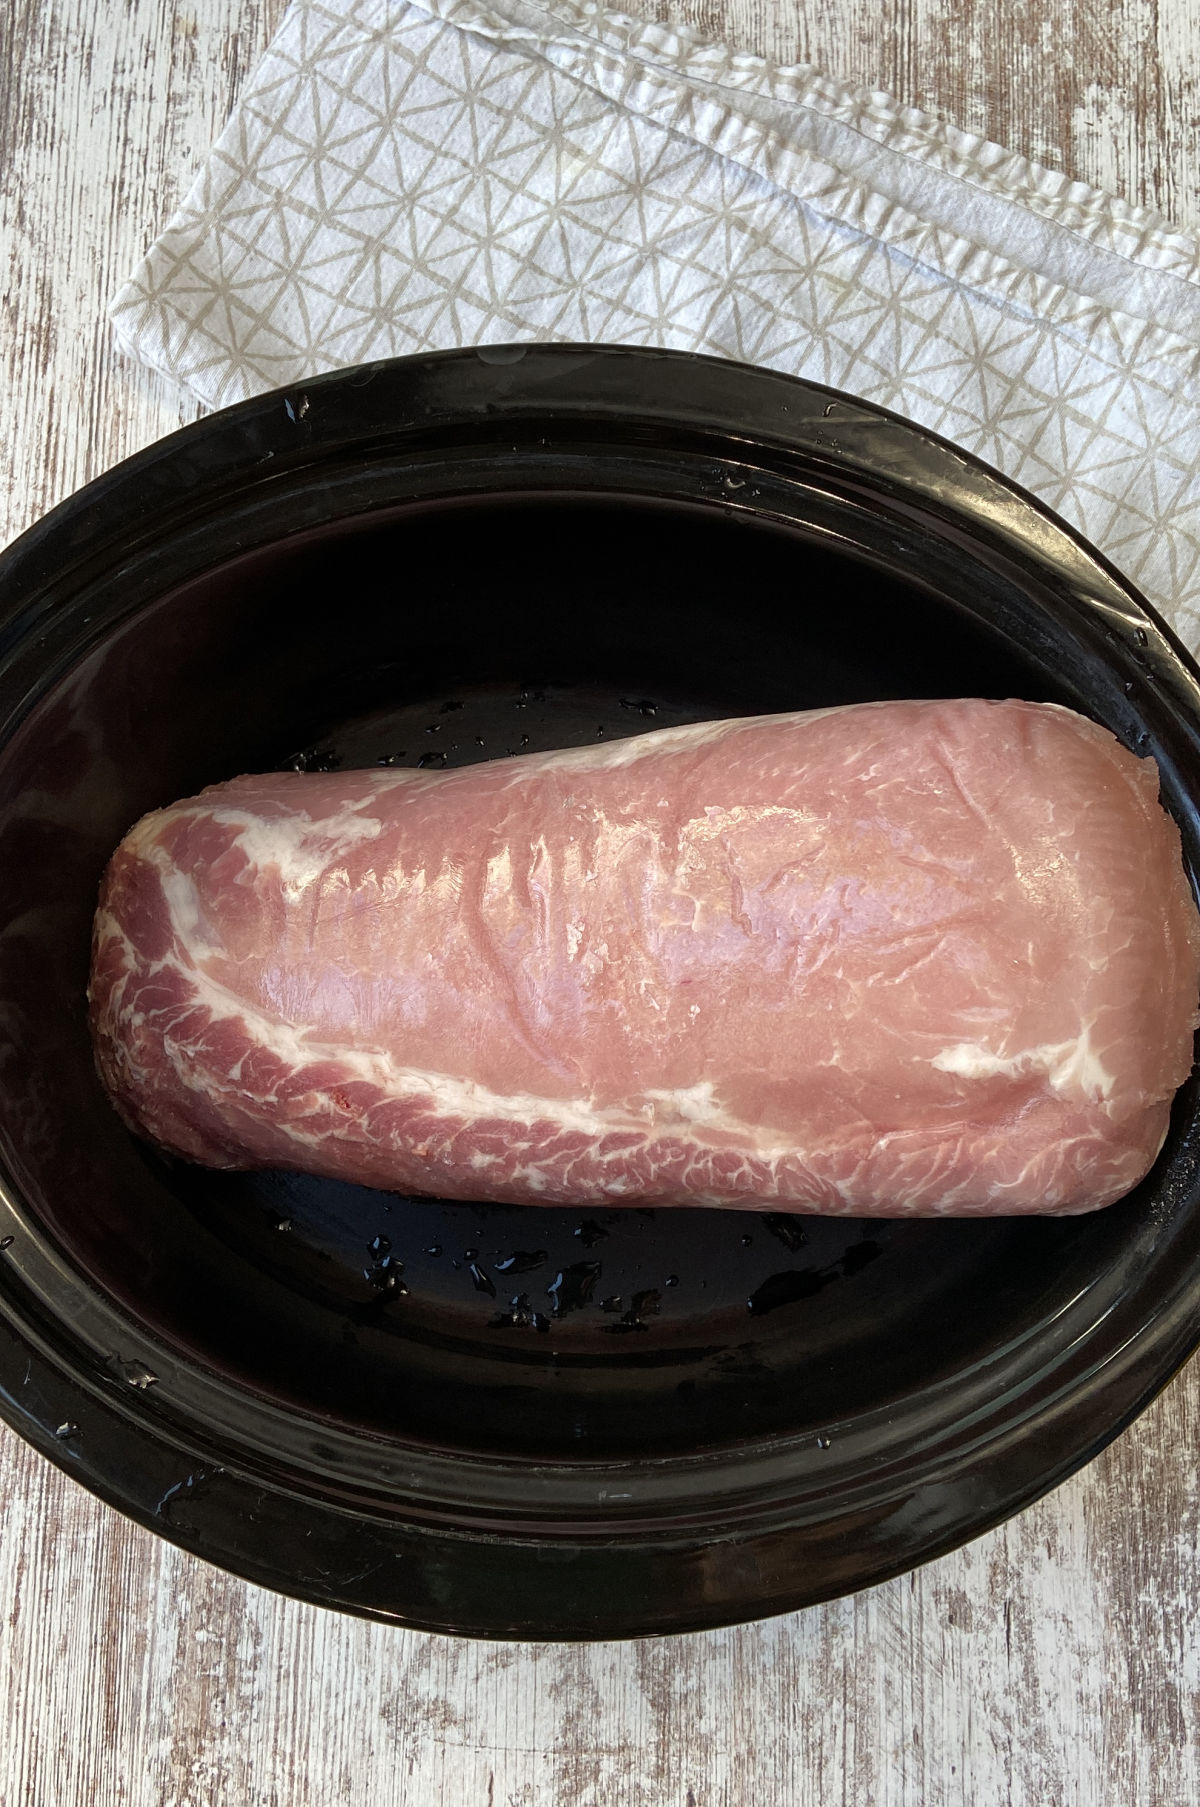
point(402, 175)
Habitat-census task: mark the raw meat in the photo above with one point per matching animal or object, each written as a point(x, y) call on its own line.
point(888, 959)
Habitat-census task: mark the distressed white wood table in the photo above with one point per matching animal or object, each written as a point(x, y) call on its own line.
point(1054, 1662)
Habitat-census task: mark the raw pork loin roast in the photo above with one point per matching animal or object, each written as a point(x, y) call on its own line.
point(892, 958)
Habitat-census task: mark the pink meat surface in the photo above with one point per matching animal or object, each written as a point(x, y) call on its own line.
point(889, 959)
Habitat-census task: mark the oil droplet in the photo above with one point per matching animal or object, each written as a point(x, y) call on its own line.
point(824, 1442)
point(190, 1484)
point(499, 354)
point(785, 1228)
point(379, 1246)
point(746, 1241)
point(283, 1223)
point(134, 1374)
point(590, 1231)
point(520, 1315)
point(315, 759)
point(521, 1261)
point(66, 1430)
point(641, 1306)
point(572, 1287)
point(671, 1280)
point(6, 1242)
point(435, 1248)
point(1141, 636)
point(859, 1255)
point(384, 1276)
point(482, 1280)
point(786, 1289)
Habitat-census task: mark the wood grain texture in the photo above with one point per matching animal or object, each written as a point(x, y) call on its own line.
point(1103, 89)
point(1054, 1663)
